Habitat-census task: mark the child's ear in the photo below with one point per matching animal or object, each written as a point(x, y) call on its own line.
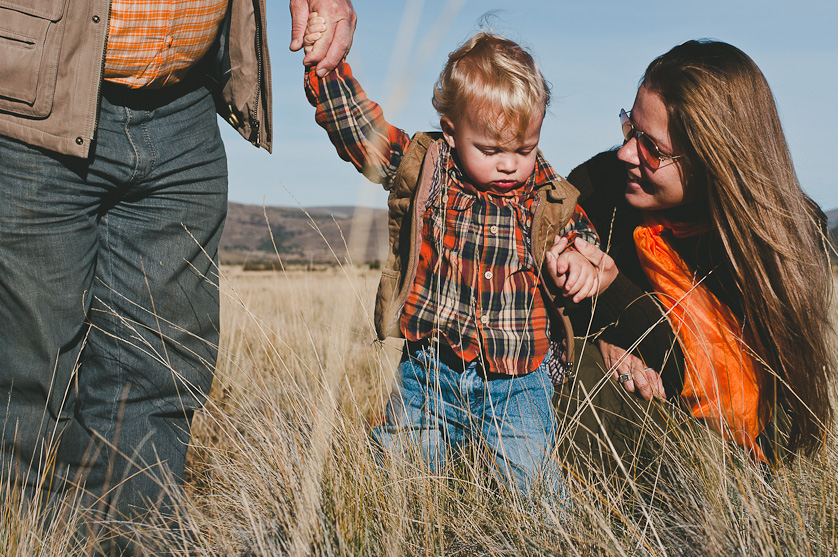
point(447, 126)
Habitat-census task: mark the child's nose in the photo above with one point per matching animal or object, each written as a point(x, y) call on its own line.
point(506, 163)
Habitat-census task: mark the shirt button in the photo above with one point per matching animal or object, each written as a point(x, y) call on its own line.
point(169, 41)
point(488, 275)
point(529, 223)
point(493, 229)
point(484, 319)
point(445, 198)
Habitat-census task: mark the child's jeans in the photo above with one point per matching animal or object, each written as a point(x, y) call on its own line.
point(440, 407)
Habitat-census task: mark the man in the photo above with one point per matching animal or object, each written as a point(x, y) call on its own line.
point(114, 194)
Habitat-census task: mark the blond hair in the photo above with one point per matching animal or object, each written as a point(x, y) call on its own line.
point(723, 118)
point(497, 77)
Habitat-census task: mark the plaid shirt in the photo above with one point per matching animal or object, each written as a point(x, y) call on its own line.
point(156, 43)
point(476, 284)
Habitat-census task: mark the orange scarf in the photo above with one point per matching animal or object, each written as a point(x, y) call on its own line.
point(722, 378)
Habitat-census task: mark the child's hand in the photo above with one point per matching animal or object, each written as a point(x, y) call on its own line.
point(580, 269)
point(315, 29)
point(580, 277)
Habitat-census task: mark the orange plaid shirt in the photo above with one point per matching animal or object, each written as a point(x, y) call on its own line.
point(155, 43)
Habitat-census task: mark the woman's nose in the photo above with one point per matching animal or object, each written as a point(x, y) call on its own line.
point(628, 152)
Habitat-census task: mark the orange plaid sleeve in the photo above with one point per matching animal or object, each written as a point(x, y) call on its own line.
point(155, 43)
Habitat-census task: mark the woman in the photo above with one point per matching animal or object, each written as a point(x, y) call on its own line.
point(703, 214)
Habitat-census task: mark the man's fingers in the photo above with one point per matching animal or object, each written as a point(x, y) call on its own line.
point(299, 17)
point(338, 47)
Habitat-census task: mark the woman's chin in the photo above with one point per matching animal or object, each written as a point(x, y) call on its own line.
point(639, 199)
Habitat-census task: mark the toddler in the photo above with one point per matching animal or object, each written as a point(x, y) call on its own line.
point(475, 216)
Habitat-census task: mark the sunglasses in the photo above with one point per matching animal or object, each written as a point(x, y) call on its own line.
point(649, 151)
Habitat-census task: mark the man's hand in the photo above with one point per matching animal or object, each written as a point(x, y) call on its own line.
point(629, 371)
point(336, 40)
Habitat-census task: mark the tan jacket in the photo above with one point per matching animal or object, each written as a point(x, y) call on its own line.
point(409, 193)
point(52, 56)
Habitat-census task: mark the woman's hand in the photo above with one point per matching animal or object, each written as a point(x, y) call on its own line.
point(630, 371)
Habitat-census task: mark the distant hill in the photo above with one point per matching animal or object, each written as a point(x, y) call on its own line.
point(359, 234)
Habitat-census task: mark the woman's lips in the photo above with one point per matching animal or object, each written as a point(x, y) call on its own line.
point(633, 184)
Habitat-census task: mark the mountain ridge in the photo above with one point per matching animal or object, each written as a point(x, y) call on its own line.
point(329, 234)
point(268, 235)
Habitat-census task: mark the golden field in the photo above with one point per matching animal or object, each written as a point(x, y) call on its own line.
point(281, 463)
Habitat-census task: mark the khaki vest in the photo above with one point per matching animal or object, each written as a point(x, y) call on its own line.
point(409, 193)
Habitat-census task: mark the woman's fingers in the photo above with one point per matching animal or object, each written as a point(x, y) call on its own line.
point(630, 372)
point(602, 261)
point(642, 384)
point(648, 383)
point(590, 251)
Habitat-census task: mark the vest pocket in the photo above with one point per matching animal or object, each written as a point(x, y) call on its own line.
point(30, 43)
point(386, 313)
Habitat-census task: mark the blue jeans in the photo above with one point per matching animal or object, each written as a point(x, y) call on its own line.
point(443, 403)
point(109, 300)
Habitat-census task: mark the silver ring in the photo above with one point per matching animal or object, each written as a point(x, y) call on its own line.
point(623, 378)
point(648, 369)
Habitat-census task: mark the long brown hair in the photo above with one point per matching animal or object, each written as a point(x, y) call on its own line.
point(723, 117)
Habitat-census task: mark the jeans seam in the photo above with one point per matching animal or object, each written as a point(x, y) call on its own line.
point(150, 144)
point(109, 307)
point(133, 145)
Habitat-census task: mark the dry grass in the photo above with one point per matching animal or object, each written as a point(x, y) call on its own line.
point(281, 462)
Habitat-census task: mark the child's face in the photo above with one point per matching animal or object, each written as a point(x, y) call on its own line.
point(496, 164)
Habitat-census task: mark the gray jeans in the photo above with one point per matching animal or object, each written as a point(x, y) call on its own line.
point(109, 301)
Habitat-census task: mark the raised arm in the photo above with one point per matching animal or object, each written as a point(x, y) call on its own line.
point(356, 125)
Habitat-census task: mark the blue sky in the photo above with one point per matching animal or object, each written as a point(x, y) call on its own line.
point(593, 52)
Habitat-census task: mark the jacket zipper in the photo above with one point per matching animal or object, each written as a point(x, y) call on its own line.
point(254, 117)
point(107, 22)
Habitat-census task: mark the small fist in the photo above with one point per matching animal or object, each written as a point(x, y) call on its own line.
point(314, 31)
